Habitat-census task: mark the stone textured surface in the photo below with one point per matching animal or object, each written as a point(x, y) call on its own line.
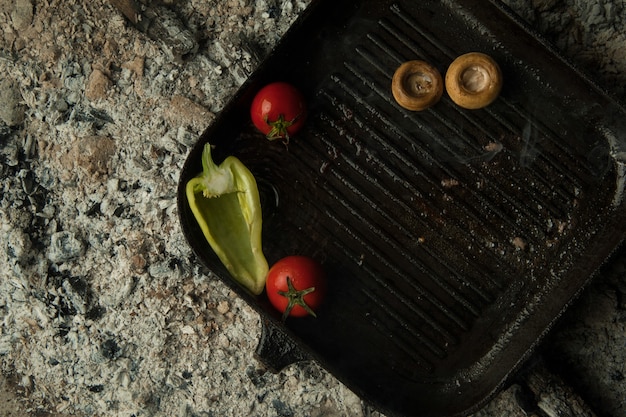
point(102, 310)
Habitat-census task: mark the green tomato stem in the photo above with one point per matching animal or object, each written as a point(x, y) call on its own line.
point(296, 298)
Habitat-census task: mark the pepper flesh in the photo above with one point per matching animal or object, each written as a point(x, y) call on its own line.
point(225, 202)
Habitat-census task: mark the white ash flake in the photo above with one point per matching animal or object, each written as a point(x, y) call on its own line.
point(102, 310)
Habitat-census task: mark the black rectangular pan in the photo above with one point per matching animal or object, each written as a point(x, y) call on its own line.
point(453, 238)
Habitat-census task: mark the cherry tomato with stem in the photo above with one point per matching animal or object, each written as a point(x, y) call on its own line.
point(278, 110)
point(296, 286)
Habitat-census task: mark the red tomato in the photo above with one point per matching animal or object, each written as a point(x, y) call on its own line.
point(278, 110)
point(296, 286)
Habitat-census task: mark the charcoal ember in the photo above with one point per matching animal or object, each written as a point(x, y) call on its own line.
point(22, 14)
point(5, 131)
point(98, 85)
point(96, 388)
point(18, 245)
point(161, 24)
point(12, 111)
point(64, 246)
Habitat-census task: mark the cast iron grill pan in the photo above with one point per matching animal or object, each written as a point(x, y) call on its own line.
point(452, 238)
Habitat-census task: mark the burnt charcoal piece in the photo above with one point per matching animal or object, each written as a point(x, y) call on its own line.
point(95, 313)
point(110, 349)
point(96, 388)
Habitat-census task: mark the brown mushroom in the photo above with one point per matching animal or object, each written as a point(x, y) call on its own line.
point(473, 80)
point(416, 85)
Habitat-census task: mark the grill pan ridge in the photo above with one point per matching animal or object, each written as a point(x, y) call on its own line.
point(452, 238)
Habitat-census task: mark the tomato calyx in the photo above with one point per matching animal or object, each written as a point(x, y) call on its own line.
point(279, 127)
point(296, 298)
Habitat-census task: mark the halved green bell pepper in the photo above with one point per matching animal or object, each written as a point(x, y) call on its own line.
point(225, 201)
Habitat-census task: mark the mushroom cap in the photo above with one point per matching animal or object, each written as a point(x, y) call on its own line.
point(473, 80)
point(416, 85)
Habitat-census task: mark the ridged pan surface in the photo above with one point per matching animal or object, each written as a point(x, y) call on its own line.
point(452, 238)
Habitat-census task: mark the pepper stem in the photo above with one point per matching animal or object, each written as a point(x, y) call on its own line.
point(207, 161)
point(296, 298)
